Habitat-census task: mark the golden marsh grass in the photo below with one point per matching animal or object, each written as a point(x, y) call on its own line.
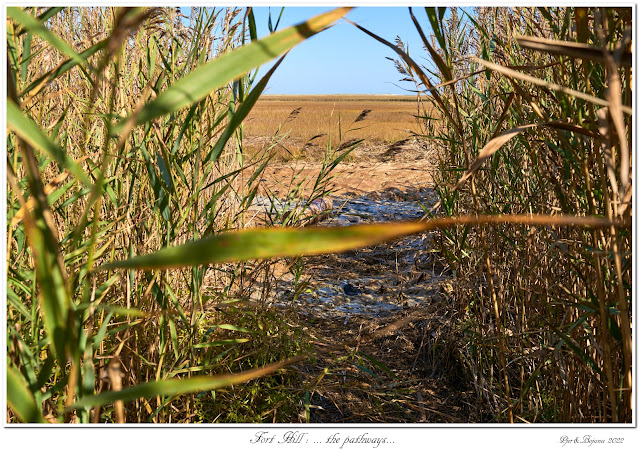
point(307, 121)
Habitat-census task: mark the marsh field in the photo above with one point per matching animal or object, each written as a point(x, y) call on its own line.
point(183, 247)
point(308, 121)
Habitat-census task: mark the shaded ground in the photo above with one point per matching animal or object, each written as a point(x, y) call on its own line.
point(423, 387)
point(382, 311)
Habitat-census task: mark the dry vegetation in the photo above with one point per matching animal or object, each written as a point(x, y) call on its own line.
point(300, 126)
point(115, 151)
point(136, 142)
point(536, 119)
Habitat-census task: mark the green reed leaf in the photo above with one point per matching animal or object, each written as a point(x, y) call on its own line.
point(198, 84)
point(34, 136)
point(64, 67)
point(241, 113)
point(578, 351)
point(36, 27)
point(180, 386)
point(19, 397)
point(435, 17)
point(266, 243)
point(277, 242)
point(441, 65)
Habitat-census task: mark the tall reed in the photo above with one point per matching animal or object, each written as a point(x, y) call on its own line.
point(535, 107)
point(126, 137)
point(127, 190)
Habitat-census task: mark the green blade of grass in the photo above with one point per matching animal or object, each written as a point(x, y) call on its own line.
point(54, 297)
point(220, 343)
point(180, 386)
point(51, 277)
point(198, 84)
point(17, 302)
point(132, 312)
point(255, 244)
point(378, 364)
point(435, 20)
point(26, 56)
point(579, 352)
point(36, 27)
point(366, 370)
point(29, 131)
point(241, 114)
point(225, 326)
point(64, 67)
point(277, 242)
point(252, 26)
point(19, 398)
point(44, 17)
point(49, 13)
point(441, 65)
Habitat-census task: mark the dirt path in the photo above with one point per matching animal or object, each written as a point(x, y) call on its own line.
point(402, 167)
point(384, 305)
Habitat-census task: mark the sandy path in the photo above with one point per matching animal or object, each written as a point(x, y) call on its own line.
point(344, 296)
point(375, 169)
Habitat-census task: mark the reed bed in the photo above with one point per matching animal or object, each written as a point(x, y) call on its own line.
point(535, 118)
point(125, 138)
point(134, 294)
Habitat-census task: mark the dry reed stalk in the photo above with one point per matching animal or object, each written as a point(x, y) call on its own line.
point(566, 290)
point(144, 188)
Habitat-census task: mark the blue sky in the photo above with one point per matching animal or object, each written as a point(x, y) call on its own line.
point(342, 59)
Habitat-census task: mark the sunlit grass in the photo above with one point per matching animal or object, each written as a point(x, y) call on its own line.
point(528, 109)
point(307, 122)
point(132, 162)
